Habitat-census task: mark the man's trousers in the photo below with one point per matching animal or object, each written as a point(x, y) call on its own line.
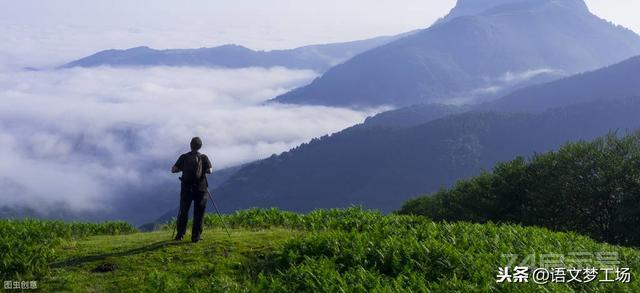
point(199, 199)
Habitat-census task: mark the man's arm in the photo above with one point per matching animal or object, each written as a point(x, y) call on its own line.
point(175, 168)
point(208, 167)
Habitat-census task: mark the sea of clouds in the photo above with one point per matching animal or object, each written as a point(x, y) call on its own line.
point(90, 139)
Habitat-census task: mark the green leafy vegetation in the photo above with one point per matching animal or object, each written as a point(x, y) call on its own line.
point(440, 257)
point(350, 219)
point(350, 250)
point(589, 187)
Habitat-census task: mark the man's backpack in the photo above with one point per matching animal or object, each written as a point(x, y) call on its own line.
point(192, 170)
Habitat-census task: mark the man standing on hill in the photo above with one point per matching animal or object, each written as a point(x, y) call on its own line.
point(194, 187)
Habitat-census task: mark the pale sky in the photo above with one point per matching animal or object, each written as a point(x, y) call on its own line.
point(69, 29)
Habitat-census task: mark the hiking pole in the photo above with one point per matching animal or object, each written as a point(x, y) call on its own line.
point(175, 226)
point(219, 214)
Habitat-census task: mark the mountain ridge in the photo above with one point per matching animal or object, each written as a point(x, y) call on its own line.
point(315, 57)
point(613, 81)
point(616, 80)
point(380, 167)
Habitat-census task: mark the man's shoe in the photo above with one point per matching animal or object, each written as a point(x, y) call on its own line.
point(195, 240)
point(178, 238)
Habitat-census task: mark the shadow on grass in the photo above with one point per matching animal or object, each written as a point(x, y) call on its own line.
point(98, 257)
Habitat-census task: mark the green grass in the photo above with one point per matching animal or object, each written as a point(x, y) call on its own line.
point(348, 250)
point(151, 261)
point(27, 246)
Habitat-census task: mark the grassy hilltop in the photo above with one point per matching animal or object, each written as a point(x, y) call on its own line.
point(274, 251)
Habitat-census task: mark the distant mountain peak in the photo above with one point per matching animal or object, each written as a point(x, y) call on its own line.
point(314, 57)
point(475, 58)
point(473, 7)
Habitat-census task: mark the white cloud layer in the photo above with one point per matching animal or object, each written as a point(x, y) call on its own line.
point(499, 86)
point(78, 137)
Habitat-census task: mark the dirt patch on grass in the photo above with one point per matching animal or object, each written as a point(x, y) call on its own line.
point(105, 268)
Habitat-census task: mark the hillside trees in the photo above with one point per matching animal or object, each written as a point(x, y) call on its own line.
point(589, 187)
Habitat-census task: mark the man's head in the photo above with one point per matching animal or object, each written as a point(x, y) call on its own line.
point(196, 143)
